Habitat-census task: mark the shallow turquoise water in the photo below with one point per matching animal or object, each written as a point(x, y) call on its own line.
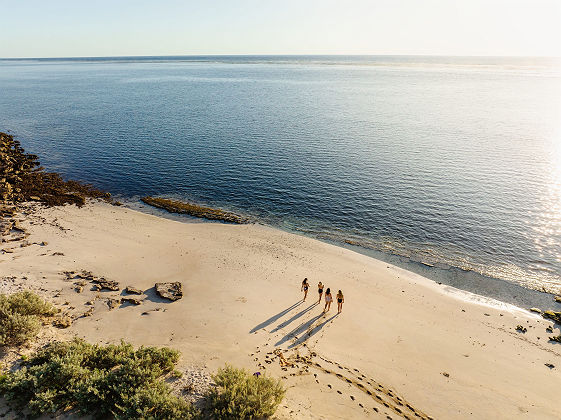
point(452, 162)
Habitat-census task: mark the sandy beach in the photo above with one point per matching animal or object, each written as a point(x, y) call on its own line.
point(403, 347)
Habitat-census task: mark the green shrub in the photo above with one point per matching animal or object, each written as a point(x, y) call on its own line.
point(103, 381)
point(20, 317)
point(240, 395)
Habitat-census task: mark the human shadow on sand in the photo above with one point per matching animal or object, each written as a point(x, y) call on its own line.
point(302, 327)
point(275, 317)
point(293, 318)
point(309, 333)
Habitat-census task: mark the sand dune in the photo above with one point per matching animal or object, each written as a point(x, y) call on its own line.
point(403, 347)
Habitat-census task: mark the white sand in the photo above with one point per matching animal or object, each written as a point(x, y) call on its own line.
point(397, 336)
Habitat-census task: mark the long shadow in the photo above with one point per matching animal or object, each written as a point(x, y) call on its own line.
point(308, 334)
point(302, 327)
point(298, 315)
point(275, 317)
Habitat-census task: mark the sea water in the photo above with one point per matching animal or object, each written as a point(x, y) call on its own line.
point(449, 166)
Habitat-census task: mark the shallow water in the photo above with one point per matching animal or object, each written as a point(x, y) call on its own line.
point(450, 162)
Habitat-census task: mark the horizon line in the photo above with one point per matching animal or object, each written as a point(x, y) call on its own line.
point(284, 55)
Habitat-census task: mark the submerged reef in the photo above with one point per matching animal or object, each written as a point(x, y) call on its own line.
point(175, 206)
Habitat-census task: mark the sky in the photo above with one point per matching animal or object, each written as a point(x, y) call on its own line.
point(72, 28)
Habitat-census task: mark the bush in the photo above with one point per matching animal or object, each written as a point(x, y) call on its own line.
point(20, 317)
point(103, 381)
point(240, 395)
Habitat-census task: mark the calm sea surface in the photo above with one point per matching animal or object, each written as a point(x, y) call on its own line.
point(448, 165)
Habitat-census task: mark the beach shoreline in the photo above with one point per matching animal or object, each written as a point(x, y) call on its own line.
point(469, 281)
point(399, 335)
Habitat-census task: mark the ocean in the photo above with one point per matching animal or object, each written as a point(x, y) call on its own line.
point(446, 166)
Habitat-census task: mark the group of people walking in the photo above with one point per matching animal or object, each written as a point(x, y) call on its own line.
point(328, 297)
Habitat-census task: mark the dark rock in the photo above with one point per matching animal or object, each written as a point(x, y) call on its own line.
point(113, 303)
point(521, 329)
point(557, 339)
point(130, 299)
point(133, 290)
point(549, 329)
point(172, 291)
point(106, 284)
point(536, 310)
point(558, 299)
point(555, 316)
point(549, 365)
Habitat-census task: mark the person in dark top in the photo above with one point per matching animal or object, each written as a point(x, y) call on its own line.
point(320, 291)
point(304, 288)
point(340, 301)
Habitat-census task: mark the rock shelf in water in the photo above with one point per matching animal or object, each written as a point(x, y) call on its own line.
point(175, 206)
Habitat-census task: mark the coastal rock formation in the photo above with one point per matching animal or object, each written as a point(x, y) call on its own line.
point(112, 303)
point(175, 206)
point(555, 316)
point(521, 329)
point(106, 284)
point(130, 299)
point(172, 291)
point(536, 310)
point(133, 291)
point(22, 178)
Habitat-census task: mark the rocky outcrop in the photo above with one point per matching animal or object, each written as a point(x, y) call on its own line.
point(133, 290)
point(554, 316)
point(104, 284)
point(22, 179)
point(175, 206)
point(132, 300)
point(172, 291)
point(113, 303)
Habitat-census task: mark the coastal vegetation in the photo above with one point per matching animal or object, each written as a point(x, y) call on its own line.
point(102, 381)
point(175, 206)
point(120, 382)
point(22, 178)
point(20, 317)
point(114, 381)
point(241, 395)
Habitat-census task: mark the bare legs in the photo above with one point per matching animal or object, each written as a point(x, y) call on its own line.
point(327, 306)
point(339, 307)
point(320, 295)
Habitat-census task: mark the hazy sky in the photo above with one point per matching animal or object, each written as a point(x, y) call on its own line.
point(60, 28)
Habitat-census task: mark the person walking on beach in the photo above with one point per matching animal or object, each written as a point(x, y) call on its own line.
point(304, 288)
point(320, 291)
point(340, 301)
point(328, 300)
